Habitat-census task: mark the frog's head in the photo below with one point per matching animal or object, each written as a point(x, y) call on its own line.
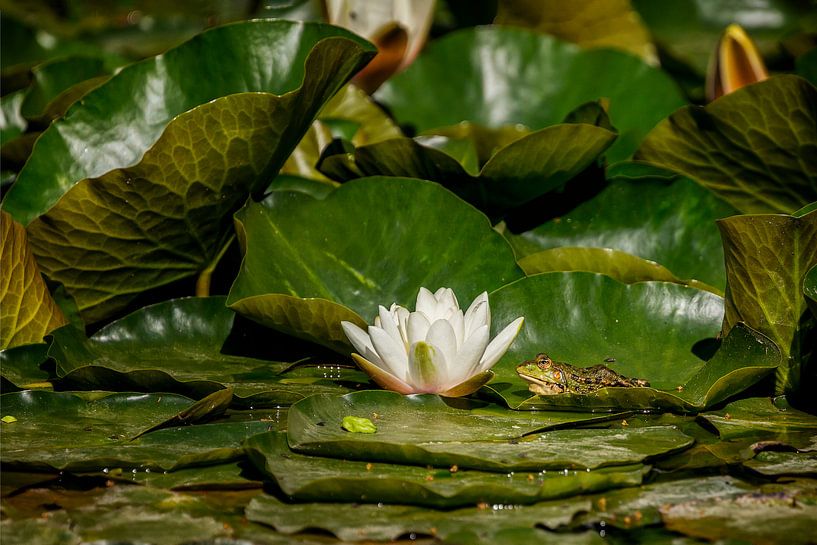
point(543, 376)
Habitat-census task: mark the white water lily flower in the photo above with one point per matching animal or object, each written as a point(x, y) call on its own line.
point(435, 349)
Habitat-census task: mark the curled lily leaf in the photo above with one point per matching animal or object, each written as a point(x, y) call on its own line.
point(735, 63)
point(435, 349)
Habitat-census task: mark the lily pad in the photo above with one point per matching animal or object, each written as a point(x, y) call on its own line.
point(377, 242)
point(314, 478)
point(476, 75)
point(61, 431)
point(589, 23)
point(674, 226)
point(192, 156)
point(20, 368)
point(762, 420)
point(388, 522)
point(51, 79)
point(616, 264)
point(518, 172)
point(771, 463)
point(758, 518)
point(767, 258)
point(588, 318)
point(183, 345)
point(753, 147)
point(459, 437)
point(633, 507)
point(810, 289)
point(28, 310)
point(227, 476)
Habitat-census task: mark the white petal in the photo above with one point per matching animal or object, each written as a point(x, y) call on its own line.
point(469, 356)
point(458, 325)
point(478, 314)
point(417, 327)
point(441, 336)
point(500, 344)
point(426, 302)
point(389, 325)
point(402, 318)
point(392, 352)
point(446, 298)
point(362, 342)
point(425, 361)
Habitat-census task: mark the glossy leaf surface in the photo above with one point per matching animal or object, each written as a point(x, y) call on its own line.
point(373, 241)
point(478, 76)
point(314, 478)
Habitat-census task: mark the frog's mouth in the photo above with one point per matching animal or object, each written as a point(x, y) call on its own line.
point(552, 387)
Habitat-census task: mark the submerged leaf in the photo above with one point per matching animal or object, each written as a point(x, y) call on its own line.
point(27, 310)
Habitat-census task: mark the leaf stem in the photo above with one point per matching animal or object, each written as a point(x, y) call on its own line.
point(203, 282)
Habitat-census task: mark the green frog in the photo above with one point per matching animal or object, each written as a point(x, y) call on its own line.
point(547, 377)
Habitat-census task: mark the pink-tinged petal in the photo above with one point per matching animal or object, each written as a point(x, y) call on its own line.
point(424, 362)
point(417, 327)
point(441, 336)
point(361, 341)
point(383, 378)
point(389, 325)
point(478, 314)
point(426, 302)
point(391, 351)
point(469, 386)
point(470, 354)
point(497, 347)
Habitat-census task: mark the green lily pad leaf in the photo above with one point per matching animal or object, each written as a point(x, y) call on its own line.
point(184, 345)
point(773, 463)
point(228, 476)
point(767, 258)
point(619, 507)
point(472, 144)
point(674, 226)
point(52, 78)
point(620, 265)
point(490, 442)
point(517, 173)
point(28, 310)
point(63, 431)
point(762, 420)
point(474, 81)
point(50, 531)
point(588, 23)
point(751, 147)
point(373, 246)
point(205, 408)
point(589, 318)
point(387, 522)
point(314, 478)
point(753, 517)
point(178, 175)
point(20, 367)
